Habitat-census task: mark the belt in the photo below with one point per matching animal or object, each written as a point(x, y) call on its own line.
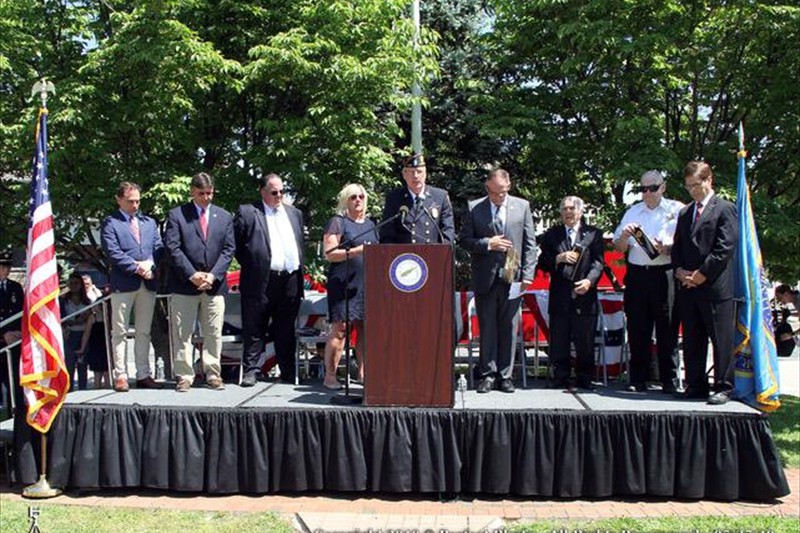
point(650, 268)
point(280, 273)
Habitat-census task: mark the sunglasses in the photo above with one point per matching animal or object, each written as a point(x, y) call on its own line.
point(276, 192)
point(354, 196)
point(648, 188)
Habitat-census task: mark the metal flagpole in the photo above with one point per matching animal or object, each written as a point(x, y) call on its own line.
point(42, 489)
point(416, 91)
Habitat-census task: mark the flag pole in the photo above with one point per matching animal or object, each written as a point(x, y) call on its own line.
point(42, 489)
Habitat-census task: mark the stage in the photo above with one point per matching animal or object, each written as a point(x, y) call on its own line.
point(536, 442)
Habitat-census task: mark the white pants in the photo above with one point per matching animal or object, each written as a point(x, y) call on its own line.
point(185, 311)
point(142, 302)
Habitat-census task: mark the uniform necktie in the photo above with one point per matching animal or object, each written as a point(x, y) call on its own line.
point(3, 286)
point(204, 223)
point(134, 223)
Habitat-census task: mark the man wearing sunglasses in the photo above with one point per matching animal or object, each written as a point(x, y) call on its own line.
point(430, 214)
point(269, 248)
point(649, 284)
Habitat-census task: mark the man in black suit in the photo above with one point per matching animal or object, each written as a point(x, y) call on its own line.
point(11, 299)
point(429, 216)
point(702, 258)
point(572, 253)
point(498, 232)
point(269, 248)
point(199, 239)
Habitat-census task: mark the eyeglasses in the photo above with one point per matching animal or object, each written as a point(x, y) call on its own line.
point(276, 192)
point(648, 188)
point(354, 196)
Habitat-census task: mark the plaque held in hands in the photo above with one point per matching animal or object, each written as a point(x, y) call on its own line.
point(644, 241)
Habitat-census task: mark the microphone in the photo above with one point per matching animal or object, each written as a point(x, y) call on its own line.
point(403, 213)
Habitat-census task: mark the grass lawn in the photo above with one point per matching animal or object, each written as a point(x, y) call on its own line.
point(785, 424)
point(694, 524)
point(78, 518)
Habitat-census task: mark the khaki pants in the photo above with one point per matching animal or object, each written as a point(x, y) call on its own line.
point(142, 302)
point(209, 311)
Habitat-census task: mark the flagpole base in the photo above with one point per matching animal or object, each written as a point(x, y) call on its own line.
point(40, 490)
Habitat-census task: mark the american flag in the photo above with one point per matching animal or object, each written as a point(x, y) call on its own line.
point(43, 374)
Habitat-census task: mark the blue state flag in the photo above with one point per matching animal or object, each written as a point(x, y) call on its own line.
point(756, 356)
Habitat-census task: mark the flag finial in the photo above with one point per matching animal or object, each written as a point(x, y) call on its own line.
point(43, 87)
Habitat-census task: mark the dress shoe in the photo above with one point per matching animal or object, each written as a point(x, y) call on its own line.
point(121, 384)
point(147, 383)
point(249, 380)
point(183, 385)
point(636, 387)
point(485, 385)
point(215, 383)
point(720, 398)
point(562, 385)
point(507, 386)
point(585, 384)
point(668, 388)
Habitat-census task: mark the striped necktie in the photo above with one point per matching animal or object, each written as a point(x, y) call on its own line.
point(134, 224)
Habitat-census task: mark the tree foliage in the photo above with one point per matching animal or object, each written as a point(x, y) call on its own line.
point(570, 97)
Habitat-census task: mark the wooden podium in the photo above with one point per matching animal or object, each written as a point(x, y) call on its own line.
point(409, 325)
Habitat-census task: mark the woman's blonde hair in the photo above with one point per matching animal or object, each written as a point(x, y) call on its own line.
point(344, 195)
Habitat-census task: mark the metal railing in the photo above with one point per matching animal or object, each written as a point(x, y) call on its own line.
point(6, 350)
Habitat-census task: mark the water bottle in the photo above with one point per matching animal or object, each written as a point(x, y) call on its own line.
point(462, 383)
point(160, 368)
point(462, 388)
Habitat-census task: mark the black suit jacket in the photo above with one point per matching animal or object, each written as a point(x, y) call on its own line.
point(11, 301)
point(190, 253)
point(561, 298)
point(708, 246)
point(253, 249)
point(418, 226)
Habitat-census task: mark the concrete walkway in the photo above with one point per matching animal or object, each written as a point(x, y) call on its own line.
point(351, 512)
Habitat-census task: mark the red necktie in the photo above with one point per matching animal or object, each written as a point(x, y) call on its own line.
point(698, 210)
point(204, 223)
point(135, 230)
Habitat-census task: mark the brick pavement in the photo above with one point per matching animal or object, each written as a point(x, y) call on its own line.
point(391, 511)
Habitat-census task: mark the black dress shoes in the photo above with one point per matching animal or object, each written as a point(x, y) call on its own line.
point(485, 385)
point(585, 384)
point(668, 388)
point(507, 386)
point(249, 380)
point(636, 387)
point(720, 398)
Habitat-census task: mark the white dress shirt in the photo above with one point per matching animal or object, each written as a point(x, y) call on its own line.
point(282, 241)
point(658, 223)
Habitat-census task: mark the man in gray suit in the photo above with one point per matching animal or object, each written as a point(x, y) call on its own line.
point(498, 232)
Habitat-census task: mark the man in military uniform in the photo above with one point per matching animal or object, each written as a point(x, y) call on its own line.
point(429, 217)
point(11, 299)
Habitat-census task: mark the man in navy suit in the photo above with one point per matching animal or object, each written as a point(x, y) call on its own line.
point(133, 247)
point(429, 216)
point(702, 258)
point(269, 248)
point(572, 252)
point(199, 239)
point(498, 225)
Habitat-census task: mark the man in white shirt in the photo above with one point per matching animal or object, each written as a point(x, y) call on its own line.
point(649, 283)
point(269, 248)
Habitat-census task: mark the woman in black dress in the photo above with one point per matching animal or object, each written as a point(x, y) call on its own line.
point(346, 276)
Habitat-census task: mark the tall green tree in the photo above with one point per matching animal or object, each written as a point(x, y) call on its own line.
point(597, 92)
